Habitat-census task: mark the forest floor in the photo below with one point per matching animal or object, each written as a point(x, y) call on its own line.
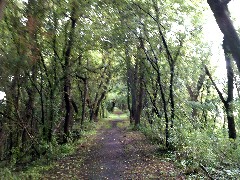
point(115, 152)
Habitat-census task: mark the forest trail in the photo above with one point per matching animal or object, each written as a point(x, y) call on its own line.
point(115, 153)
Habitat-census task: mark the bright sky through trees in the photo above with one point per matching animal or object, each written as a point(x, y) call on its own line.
point(214, 37)
point(2, 94)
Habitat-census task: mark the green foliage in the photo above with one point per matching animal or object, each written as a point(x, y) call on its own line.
point(54, 152)
point(154, 133)
point(6, 173)
point(32, 173)
point(101, 62)
point(194, 150)
point(209, 149)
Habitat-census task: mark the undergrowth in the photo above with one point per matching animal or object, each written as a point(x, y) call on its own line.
point(54, 151)
point(199, 154)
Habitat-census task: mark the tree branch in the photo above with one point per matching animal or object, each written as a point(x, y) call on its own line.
point(215, 86)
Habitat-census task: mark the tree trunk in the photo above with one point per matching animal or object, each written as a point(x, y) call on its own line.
point(68, 108)
point(222, 16)
point(164, 103)
point(98, 105)
point(67, 76)
point(84, 98)
point(139, 103)
point(171, 92)
point(51, 115)
point(131, 86)
point(139, 80)
point(129, 100)
point(229, 102)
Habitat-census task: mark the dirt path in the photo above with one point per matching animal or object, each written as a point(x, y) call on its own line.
point(114, 154)
point(107, 160)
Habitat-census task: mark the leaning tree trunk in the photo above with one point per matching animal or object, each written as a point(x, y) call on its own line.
point(222, 16)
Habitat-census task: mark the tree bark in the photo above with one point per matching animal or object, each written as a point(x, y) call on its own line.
point(171, 92)
point(84, 98)
point(98, 105)
point(131, 99)
point(67, 76)
point(140, 85)
point(222, 16)
point(229, 102)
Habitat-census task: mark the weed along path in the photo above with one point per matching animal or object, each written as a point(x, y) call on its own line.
point(114, 153)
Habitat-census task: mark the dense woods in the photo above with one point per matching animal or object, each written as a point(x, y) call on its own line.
point(65, 64)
